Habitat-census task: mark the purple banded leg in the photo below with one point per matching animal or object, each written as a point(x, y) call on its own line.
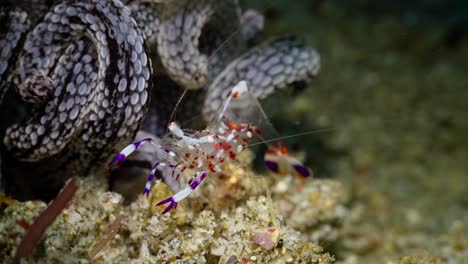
point(300, 168)
point(151, 176)
point(176, 198)
point(128, 150)
point(272, 165)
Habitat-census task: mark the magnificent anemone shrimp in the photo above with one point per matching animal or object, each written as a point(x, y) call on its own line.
point(239, 121)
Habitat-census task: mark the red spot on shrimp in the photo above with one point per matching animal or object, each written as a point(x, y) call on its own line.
point(233, 125)
point(222, 145)
point(211, 168)
point(232, 155)
point(284, 151)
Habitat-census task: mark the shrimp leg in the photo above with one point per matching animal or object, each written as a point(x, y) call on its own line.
point(151, 176)
point(129, 150)
point(176, 198)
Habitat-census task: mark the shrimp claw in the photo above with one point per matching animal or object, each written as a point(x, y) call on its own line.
point(189, 188)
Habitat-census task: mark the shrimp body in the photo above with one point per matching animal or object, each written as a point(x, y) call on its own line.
point(202, 152)
point(199, 151)
point(205, 150)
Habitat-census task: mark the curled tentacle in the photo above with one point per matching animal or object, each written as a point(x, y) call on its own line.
point(272, 66)
point(34, 8)
point(49, 130)
point(220, 39)
point(37, 89)
point(13, 25)
point(178, 42)
point(252, 22)
point(95, 55)
point(146, 17)
point(109, 94)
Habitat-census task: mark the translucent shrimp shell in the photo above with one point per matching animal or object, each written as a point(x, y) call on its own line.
point(205, 150)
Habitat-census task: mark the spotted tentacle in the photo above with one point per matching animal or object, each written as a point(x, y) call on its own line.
point(178, 42)
point(146, 17)
point(102, 100)
point(252, 22)
point(271, 66)
point(94, 54)
point(14, 24)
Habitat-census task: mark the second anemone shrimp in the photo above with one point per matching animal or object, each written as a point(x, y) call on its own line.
point(196, 154)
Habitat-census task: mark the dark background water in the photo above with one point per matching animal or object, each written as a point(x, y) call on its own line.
point(393, 96)
point(394, 90)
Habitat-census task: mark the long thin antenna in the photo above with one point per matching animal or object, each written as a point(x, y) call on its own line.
point(291, 136)
point(222, 45)
point(235, 32)
point(171, 118)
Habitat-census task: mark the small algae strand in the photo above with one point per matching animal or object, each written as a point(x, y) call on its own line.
point(37, 229)
point(110, 234)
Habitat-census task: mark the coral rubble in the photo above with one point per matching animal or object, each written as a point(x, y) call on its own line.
point(248, 224)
